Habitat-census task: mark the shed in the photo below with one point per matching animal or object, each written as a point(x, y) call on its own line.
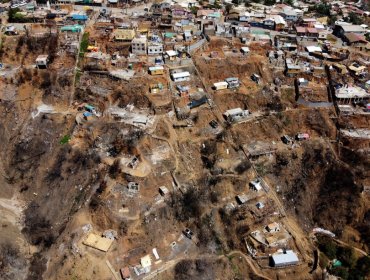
point(245, 50)
point(125, 273)
point(146, 261)
point(273, 227)
point(98, 242)
point(156, 70)
point(256, 185)
point(42, 61)
point(163, 190)
point(182, 76)
point(232, 82)
point(286, 258)
point(242, 198)
point(220, 85)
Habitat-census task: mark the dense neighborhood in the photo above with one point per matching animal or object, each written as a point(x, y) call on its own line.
point(184, 139)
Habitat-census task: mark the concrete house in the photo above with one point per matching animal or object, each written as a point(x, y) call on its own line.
point(139, 45)
point(180, 77)
point(42, 61)
point(343, 30)
point(155, 48)
point(123, 34)
point(285, 258)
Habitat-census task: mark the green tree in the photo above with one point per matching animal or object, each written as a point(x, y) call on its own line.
point(347, 256)
point(269, 2)
point(354, 18)
point(328, 247)
point(341, 272)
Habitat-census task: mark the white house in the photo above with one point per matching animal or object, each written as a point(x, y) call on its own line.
point(180, 77)
point(155, 48)
point(139, 45)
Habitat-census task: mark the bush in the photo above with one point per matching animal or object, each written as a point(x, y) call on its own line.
point(347, 256)
point(243, 166)
point(341, 272)
point(328, 247)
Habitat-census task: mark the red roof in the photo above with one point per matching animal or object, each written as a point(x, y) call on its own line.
point(312, 30)
point(300, 29)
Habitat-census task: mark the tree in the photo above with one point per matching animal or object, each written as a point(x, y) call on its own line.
point(341, 272)
point(347, 256)
point(328, 247)
point(269, 2)
point(228, 7)
point(354, 18)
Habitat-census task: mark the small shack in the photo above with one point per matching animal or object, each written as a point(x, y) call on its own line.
point(286, 258)
point(156, 70)
point(180, 77)
point(234, 115)
point(42, 61)
point(220, 85)
point(232, 82)
point(97, 242)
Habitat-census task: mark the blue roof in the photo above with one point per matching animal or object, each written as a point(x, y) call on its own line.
point(79, 17)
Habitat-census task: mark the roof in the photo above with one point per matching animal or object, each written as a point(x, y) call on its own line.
point(353, 28)
point(171, 53)
point(234, 111)
point(300, 29)
point(285, 258)
point(312, 30)
point(313, 49)
point(154, 68)
point(180, 75)
point(146, 261)
point(139, 40)
point(351, 92)
point(98, 242)
point(353, 38)
point(124, 34)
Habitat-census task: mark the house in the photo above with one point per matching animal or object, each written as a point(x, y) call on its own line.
point(348, 94)
point(125, 273)
point(10, 30)
point(273, 227)
point(133, 187)
point(123, 34)
point(232, 82)
point(187, 36)
point(181, 76)
point(72, 28)
point(156, 70)
point(291, 15)
point(139, 45)
point(242, 198)
point(255, 185)
point(286, 258)
point(355, 40)
point(146, 263)
point(269, 23)
point(245, 50)
point(163, 190)
point(234, 115)
point(343, 30)
point(171, 54)
point(220, 85)
point(155, 48)
point(312, 32)
point(97, 242)
point(42, 61)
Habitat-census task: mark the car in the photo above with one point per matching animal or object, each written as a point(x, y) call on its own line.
point(188, 233)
